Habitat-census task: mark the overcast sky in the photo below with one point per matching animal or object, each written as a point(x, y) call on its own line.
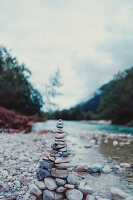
point(88, 40)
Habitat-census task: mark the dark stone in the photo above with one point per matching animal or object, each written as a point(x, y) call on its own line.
point(55, 154)
point(94, 170)
point(46, 164)
point(54, 146)
point(59, 126)
point(42, 173)
point(66, 153)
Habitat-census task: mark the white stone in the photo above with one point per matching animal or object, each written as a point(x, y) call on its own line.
point(118, 194)
point(115, 143)
point(125, 165)
point(50, 183)
point(106, 170)
point(98, 165)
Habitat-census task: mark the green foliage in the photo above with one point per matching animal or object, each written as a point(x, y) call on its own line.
point(16, 92)
point(72, 114)
point(117, 102)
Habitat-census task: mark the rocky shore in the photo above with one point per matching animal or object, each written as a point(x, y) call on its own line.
point(20, 155)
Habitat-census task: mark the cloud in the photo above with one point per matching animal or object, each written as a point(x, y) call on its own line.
point(88, 40)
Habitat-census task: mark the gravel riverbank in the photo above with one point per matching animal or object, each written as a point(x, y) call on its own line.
point(20, 155)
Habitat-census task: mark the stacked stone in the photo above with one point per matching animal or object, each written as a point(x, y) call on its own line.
point(54, 173)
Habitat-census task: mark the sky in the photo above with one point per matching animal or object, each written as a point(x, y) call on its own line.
point(89, 41)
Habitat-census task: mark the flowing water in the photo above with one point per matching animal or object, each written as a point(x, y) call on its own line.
point(76, 142)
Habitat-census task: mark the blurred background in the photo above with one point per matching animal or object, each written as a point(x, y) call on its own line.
point(66, 59)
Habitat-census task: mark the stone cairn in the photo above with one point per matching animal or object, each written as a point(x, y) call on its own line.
point(54, 179)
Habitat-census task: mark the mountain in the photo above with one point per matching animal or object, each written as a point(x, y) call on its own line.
point(92, 103)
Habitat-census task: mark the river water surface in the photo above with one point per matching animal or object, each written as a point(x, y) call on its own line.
point(77, 144)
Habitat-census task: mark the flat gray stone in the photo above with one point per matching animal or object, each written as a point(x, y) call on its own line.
point(48, 195)
point(60, 181)
point(59, 173)
point(35, 190)
point(50, 183)
point(71, 179)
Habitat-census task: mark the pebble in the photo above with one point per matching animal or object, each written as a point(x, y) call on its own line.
point(63, 165)
point(90, 197)
point(60, 181)
point(74, 194)
point(61, 189)
point(48, 195)
point(50, 183)
point(125, 165)
point(83, 168)
point(70, 186)
point(95, 168)
point(106, 170)
point(85, 188)
point(35, 190)
point(71, 179)
point(118, 194)
point(59, 173)
point(46, 164)
point(63, 160)
point(41, 185)
point(42, 173)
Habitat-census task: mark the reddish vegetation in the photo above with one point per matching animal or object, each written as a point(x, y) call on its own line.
point(11, 121)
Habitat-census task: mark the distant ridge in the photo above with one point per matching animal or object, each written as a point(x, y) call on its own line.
point(93, 103)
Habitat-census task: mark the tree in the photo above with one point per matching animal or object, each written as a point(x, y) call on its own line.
point(117, 101)
point(16, 92)
point(51, 91)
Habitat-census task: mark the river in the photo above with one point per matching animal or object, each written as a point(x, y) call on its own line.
point(76, 130)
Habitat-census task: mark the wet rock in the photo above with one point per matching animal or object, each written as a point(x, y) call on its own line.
point(95, 168)
point(71, 179)
point(59, 173)
point(50, 183)
point(61, 189)
point(46, 164)
point(48, 195)
point(66, 153)
point(35, 190)
point(42, 173)
point(118, 194)
point(85, 189)
point(74, 194)
point(60, 181)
